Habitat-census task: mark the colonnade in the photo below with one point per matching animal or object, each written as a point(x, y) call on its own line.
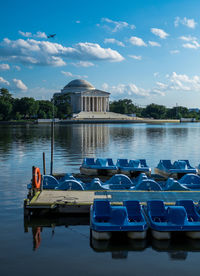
point(94, 104)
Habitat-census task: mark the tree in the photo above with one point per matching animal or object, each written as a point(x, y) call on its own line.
point(5, 104)
point(5, 94)
point(178, 112)
point(124, 106)
point(63, 106)
point(45, 110)
point(154, 111)
point(5, 109)
point(27, 107)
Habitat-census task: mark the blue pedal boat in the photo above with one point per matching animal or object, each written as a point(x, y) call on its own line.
point(106, 218)
point(191, 181)
point(143, 183)
point(164, 220)
point(133, 167)
point(174, 185)
point(118, 182)
point(175, 170)
point(68, 182)
point(100, 166)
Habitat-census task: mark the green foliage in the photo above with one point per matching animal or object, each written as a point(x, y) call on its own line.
point(5, 109)
point(45, 110)
point(125, 106)
point(5, 104)
point(154, 111)
point(27, 107)
point(5, 94)
point(62, 105)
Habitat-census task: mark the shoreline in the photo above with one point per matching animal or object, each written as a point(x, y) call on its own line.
point(97, 121)
point(94, 121)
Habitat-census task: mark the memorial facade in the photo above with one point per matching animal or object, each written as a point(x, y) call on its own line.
point(83, 96)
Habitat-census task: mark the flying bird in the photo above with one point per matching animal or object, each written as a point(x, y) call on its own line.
point(51, 35)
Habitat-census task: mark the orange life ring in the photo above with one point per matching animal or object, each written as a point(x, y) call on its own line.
point(36, 178)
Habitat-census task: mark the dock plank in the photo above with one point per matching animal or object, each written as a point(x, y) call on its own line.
point(50, 197)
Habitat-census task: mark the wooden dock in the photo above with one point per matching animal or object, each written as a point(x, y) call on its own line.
point(79, 202)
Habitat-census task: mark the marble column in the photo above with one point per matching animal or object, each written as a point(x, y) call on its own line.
point(92, 104)
point(85, 107)
point(81, 103)
point(89, 104)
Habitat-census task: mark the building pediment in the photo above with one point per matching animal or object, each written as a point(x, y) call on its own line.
point(95, 93)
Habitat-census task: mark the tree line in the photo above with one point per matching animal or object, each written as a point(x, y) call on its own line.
point(59, 107)
point(29, 108)
point(155, 111)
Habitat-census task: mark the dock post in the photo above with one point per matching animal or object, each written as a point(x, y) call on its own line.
point(44, 164)
point(52, 145)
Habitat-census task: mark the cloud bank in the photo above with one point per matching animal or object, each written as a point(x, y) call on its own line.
point(34, 52)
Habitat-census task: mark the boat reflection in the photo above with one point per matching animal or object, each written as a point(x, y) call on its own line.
point(37, 224)
point(119, 245)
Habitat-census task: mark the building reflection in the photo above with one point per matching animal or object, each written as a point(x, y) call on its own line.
point(82, 138)
point(177, 248)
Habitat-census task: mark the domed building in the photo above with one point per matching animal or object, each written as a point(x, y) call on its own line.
point(85, 97)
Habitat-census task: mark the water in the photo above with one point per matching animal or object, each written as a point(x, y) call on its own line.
point(63, 247)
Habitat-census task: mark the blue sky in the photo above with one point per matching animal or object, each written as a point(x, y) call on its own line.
point(147, 51)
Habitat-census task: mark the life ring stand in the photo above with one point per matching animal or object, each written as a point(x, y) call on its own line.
point(36, 178)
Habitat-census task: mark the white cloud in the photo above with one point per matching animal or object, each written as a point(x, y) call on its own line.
point(174, 52)
point(192, 42)
point(34, 52)
point(136, 57)
point(93, 51)
point(159, 32)
point(18, 85)
point(156, 74)
point(116, 25)
point(192, 45)
point(25, 34)
point(114, 41)
point(105, 86)
point(18, 68)
point(137, 41)
point(4, 82)
point(190, 23)
point(4, 66)
point(179, 82)
point(83, 64)
point(154, 44)
point(188, 38)
point(78, 22)
point(15, 84)
point(69, 74)
point(29, 34)
point(132, 91)
point(40, 35)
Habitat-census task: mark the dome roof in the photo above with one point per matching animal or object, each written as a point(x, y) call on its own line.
point(80, 84)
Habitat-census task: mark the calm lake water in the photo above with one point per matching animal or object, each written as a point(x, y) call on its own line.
point(61, 246)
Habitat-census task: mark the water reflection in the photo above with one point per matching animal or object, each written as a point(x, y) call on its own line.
point(37, 224)
point(119, 245)
point(179, 132)
point(155, 133)
point(121, 134)
point(82, 138)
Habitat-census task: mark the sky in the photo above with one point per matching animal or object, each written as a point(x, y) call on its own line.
point(144, 50)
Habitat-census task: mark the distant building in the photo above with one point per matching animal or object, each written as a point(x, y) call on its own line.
point(193, 109)
point(85, 97)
